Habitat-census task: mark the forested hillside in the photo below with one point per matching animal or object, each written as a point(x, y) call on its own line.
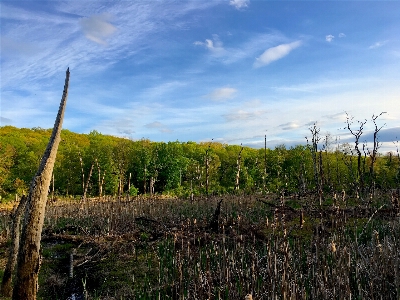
point(95, 164)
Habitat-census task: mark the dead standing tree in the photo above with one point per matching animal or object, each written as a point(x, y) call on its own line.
point(238, 169)
point(316, 165)
point(85, 186)
point(207, 164)
point(359, 182)
point(28, 263)
point(374, 152)
point(100, 178)
point(314, 150)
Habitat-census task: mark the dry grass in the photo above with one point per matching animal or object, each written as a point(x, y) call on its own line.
point(165, 249)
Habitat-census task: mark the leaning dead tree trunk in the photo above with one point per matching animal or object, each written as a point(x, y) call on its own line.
point(26, 285)
point(6, 284)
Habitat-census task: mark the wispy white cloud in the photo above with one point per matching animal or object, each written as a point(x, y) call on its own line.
point(378, 44)
point(122, 126)
point(222, 93)
point(137, 23)
point(154, 124)
point(324, 85)
point(342, 35)
point(239, 4)
point(389, 117)
point(21, 14)
point(289, 126)
point(338, 116)
point(97, 28)
point(275, 53)
point(15, 48)
point(248, 48)
point(311, 123)
point(209, 44)
point(159, 126)
point(329, 38)
point(215, 45)
point(162, 89)
point(4, 121)
point(244, 115)
point(395, 53)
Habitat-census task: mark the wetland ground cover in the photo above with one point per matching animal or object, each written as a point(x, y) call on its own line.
point(218, 248)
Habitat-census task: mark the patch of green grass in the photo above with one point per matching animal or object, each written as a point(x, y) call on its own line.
point(144, 236)
point(57, 250)
point(328, 202)
point(123, 276)
point(293, 204)
point(304, 233)
point(63, 222)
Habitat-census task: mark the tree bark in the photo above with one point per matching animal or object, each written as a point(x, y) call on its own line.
point(6, 284)
point(26, 285)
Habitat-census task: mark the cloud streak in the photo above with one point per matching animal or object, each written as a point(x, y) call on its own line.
point(289, 126)
point(222, 94)
point(275, 53)
point(137, 23)
point(4, 121)
point(378, 44)
point(329, 38)
point(215, 45)
point(243, 115)
point(97, 28)
point(239, 4)
point(247, 49)
point(159, 126)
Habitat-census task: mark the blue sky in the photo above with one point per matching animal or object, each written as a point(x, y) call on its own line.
point(231, 70)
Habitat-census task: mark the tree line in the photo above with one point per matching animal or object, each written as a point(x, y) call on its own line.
point(92, 165)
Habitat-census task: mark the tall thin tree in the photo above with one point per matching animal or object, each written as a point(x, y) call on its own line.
point(238, 169)
point(373, 154)
point(357, 133)
point(28, 263)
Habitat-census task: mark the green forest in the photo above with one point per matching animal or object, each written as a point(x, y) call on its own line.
point(92, 165)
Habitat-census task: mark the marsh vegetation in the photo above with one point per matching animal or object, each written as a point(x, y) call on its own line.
point(150, 248)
